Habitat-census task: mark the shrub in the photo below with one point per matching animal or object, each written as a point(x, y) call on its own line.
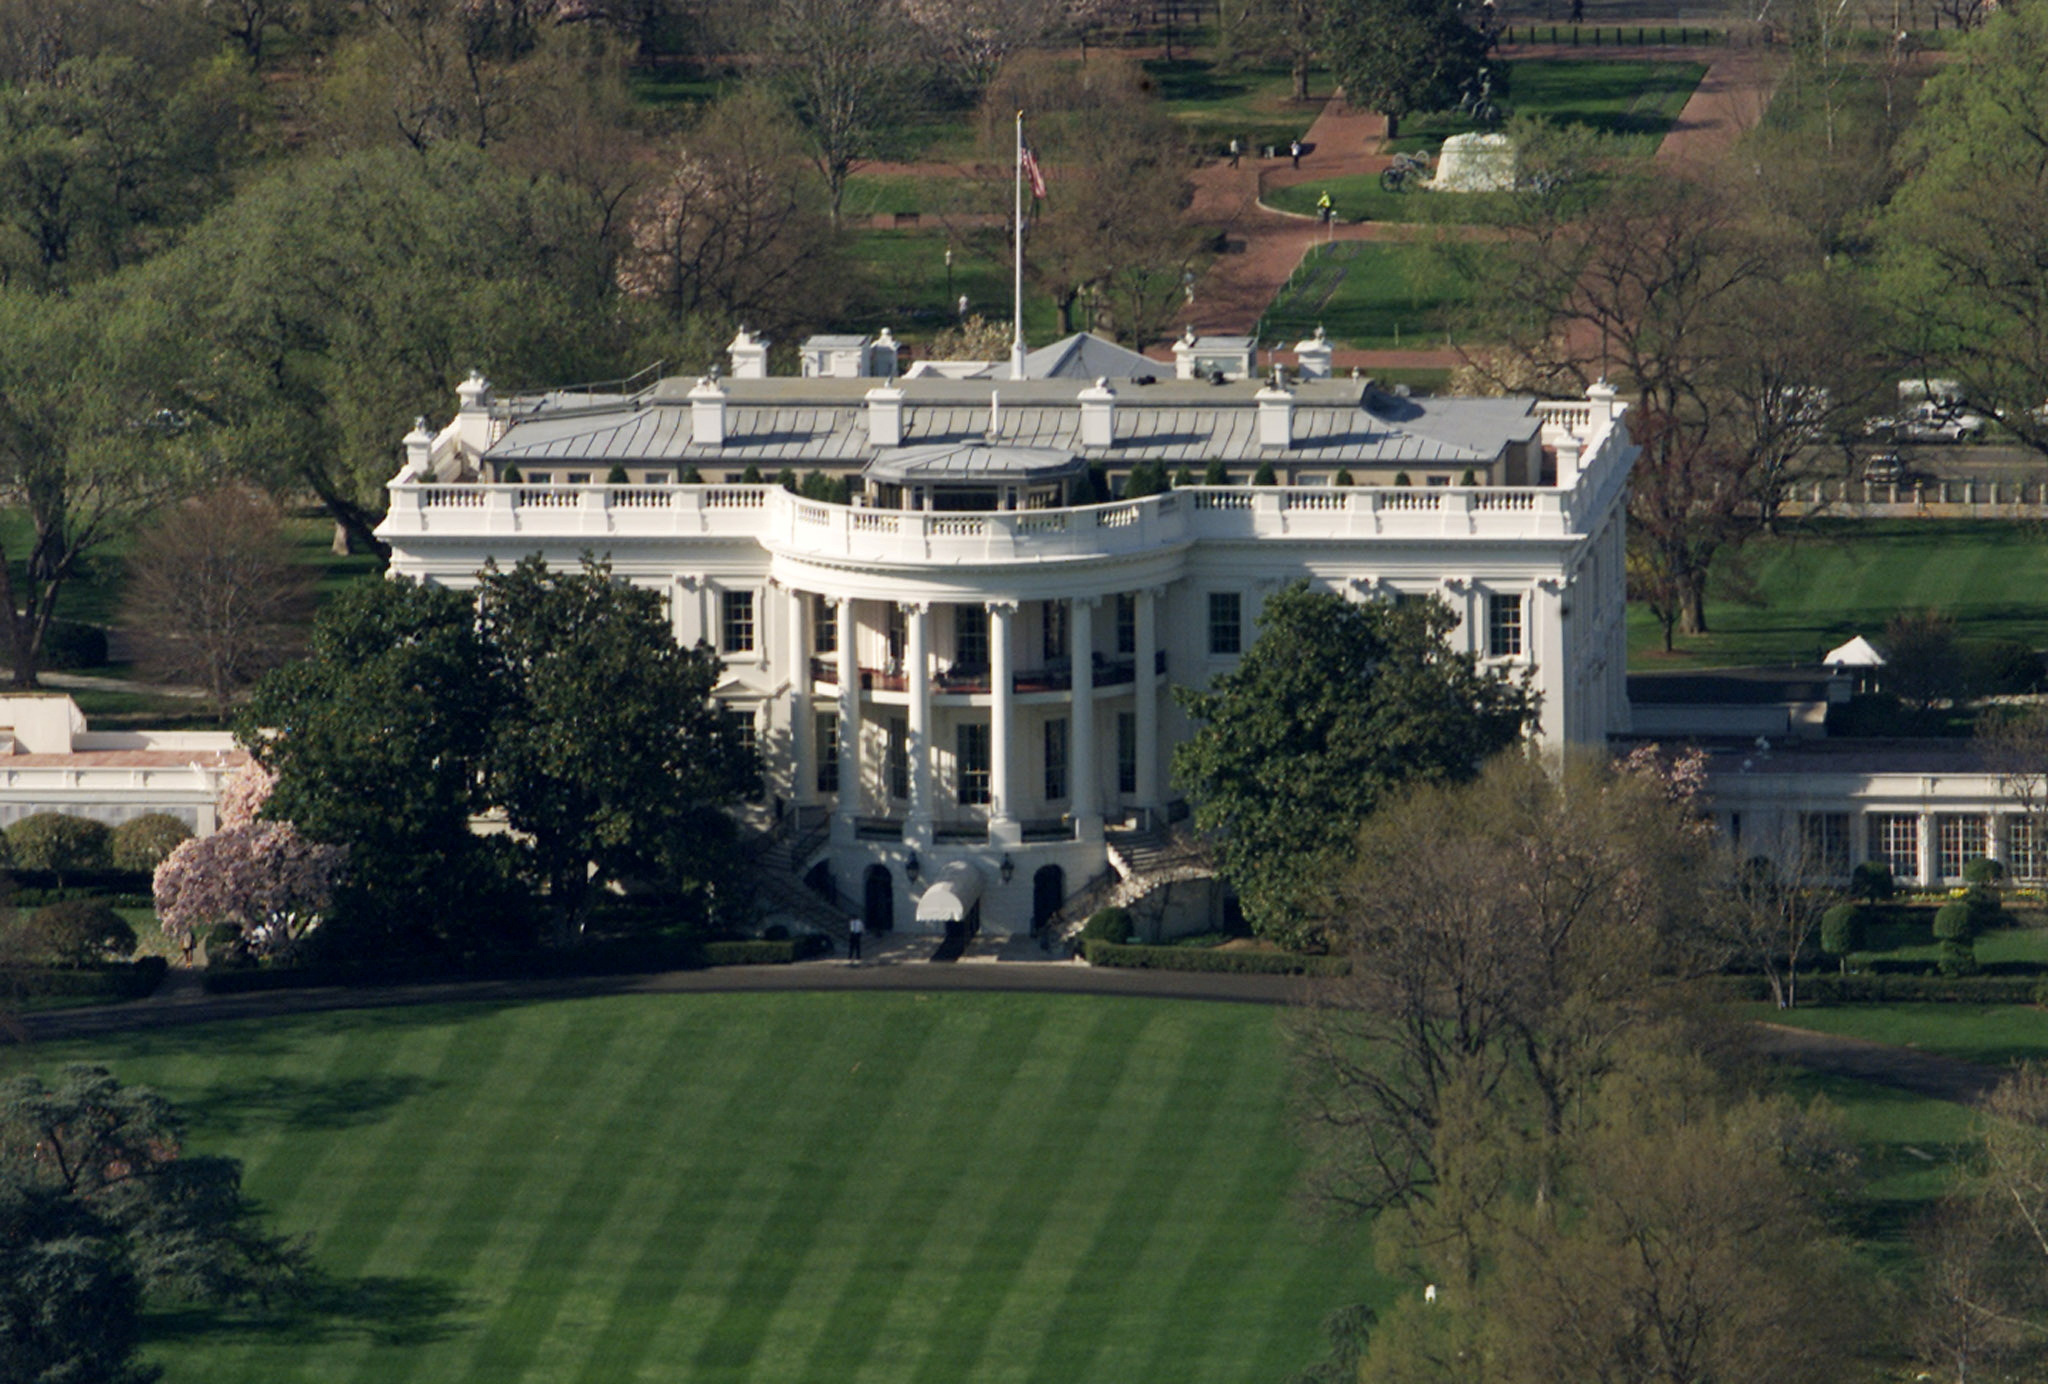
point(1215, 474)
point(615, 476)
point(1841, 929)
point(81, 933)
point(1183, 477)
point(786, 478)
point(1872, 882)
point(1401, 478)
point(751, 476)
point(1955, 922)
point(60, 843)
point(1343, 477)
point(1470, 477)
point(121, 980)
point(2004, 667)
point(1959, 957)
point(141, 843)
point(1112, 925)
point(510, 476)
point(1983, 870)
point(69, 644)
point(1209, 959)
point(691, 476)
point(1265, 475)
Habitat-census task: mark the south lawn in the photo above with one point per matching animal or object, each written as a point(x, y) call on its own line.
point(874, 1187)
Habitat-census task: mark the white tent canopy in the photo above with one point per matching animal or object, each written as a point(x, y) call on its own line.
point(1857, 653)
point(952, 894)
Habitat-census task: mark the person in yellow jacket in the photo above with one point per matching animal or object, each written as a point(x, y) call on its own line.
point(1325, 209)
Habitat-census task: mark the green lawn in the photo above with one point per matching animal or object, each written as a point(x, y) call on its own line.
point(1253, 102)
point(1635, 102)
point(1368, 295)
point(1996, 1033)
point(1808, 591)
point(1359, 197)
point(902, 284)
point(868, 1187)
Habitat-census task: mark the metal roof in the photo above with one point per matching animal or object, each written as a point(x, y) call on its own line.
point(1088, 357)
point(819, 422)
point(974, 461)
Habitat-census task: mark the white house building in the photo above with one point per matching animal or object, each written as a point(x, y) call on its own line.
point(961, 680)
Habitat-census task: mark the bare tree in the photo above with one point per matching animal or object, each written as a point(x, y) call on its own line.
point(849, 73)
point(213, 596)
point(2014, 743)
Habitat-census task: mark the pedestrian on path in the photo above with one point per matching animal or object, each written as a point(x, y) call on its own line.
point(1235, 149)
point(854, 928)
point(1325, 209)
point(1294, 152)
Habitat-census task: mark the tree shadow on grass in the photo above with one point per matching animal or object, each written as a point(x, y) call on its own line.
point(285, 1102)
point(383, 1311)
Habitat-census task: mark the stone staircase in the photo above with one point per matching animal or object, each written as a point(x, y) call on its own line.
point(1140, 861)
point(779, 891)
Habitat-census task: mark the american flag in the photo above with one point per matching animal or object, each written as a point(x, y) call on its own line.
point(1036, 178)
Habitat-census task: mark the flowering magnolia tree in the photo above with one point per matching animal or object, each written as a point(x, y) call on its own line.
point(264, 879)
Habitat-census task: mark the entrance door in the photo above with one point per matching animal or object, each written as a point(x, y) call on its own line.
point(1048, 892)
point(878, 900)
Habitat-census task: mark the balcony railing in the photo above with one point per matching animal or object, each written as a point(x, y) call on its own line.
point(978, 680)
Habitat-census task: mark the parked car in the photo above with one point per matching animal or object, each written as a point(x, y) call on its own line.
point(1884, 469)
point(1933, 422)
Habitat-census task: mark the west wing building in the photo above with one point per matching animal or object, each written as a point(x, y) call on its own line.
point(960, 679)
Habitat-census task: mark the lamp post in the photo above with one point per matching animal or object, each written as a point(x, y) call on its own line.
point(949, 273)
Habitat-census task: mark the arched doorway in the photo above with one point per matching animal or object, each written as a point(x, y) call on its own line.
point(878, 900)
point(1048, 892)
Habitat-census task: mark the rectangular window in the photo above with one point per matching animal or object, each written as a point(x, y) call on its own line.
point(970, 741)
point(826, 738)
point(2022, 848)
point(736, 622)
point(742, 725)
point(970, 636)
point(1824, 837)
point(540, 478)
point(1056, 760)
point(1958, 841)
point(1895, 843)
point(1503, 626)
point(824, 626)
point(1226, 622)
point(1126, 752)
point(579, 478)
point(654, 478)
point(898, 761)
point(1127, 624)
point(1055, 631)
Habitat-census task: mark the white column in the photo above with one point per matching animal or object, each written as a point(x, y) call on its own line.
point(1002, 725)
point(1929, 871)
point(843, 821)
point(917, 674)
point(1081, 769)
point(1145, 694)
point(802, 730)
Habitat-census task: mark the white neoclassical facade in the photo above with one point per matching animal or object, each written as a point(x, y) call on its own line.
point(961, 681)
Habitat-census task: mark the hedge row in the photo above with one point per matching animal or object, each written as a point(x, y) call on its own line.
point(595, 958)
point(112, 981)
point(1212, 959)
point(1863, 988)
point(38, 898)
point(82, 884)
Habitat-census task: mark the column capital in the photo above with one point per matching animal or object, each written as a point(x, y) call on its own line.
point(915, 607)
point(1001, 607)
point(1090, 602)
point(1157, 593)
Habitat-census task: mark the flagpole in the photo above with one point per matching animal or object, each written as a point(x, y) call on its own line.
point(1017, 289)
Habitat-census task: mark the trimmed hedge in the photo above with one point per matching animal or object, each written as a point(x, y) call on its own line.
point(1212, 959)
point(37, 898)
point(81, 883)
point(757, 952)
point(112, 981)
point(1863, 988)
point(623, 957)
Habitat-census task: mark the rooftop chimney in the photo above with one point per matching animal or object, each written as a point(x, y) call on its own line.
point(707, 413)
point(749, 356)
point(1276, 417)
point(885, 415)
point(1098, 415)
point(419, 453)
point(1312, 357)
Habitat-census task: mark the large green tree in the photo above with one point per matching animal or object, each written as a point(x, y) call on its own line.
point(1398, 57)
point(378, 739)
point(101, 1210)
point(333, 302)
point(609, 757)
point(1334, 705)
point(1966, 238)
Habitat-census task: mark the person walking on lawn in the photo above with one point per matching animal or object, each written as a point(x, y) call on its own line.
point(854, 928)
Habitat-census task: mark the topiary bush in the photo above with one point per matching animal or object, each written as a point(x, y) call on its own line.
point(1983, 870)
point(72, 644)
point(1959, 958)
point(1214, 474)
point(1265, 475)
point(1841, 931)
point(1343, 477)
point(1955, 921)
point(1112, 925)
point(616, 476)
point(81, 933)
point(1871, 882)
point(60, 843)
point(141, 843)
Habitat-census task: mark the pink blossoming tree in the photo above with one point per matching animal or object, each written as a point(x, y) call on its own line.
point(264, 879)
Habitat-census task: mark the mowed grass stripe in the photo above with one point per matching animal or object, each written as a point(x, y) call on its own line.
point(1051, 1249)
point(572, 1270)
point(864, 1237)
point(1005, 1178)
point(823, 1166)
point(961, 1134)
point(737, 1056)
point(1095, 1312)
point(807, 1087)
point(1196, 1175)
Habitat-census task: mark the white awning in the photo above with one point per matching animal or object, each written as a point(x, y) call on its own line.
point(1857, 653)
point(951, 895)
